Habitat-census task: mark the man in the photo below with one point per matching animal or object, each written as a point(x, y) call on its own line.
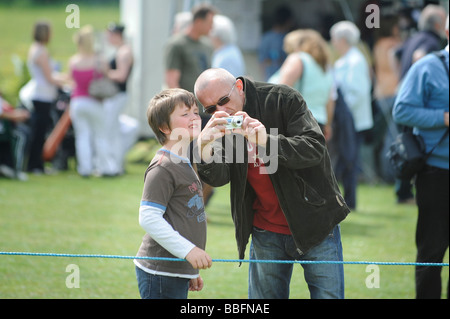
point(187, 55)
point(291, 212)
point(431, 30)
point(271, 53)
point(423, 103)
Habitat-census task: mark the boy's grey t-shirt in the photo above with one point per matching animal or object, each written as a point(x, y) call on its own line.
point(171, 183)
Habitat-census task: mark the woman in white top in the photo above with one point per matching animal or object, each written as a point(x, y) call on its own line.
point(43, 93)
point(352, 74)
point(352, 77)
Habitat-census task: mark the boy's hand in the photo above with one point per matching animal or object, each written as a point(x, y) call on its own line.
point(196, 284)
point(199, 259)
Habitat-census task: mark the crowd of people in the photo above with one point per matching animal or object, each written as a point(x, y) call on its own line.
point(101, 133)
point(340, 98)
point(327, 101)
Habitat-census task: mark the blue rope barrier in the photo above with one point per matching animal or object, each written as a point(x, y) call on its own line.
point(381, 263)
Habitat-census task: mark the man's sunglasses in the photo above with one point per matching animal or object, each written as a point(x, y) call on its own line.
point(224, 100)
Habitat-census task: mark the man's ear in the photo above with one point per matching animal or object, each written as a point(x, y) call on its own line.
point(240, 87)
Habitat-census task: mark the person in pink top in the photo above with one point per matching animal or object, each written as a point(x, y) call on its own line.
point(86, 112)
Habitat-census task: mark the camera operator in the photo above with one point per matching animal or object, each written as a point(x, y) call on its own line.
point(292, 213)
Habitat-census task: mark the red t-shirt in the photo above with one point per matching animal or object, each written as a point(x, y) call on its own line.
point(268, 213)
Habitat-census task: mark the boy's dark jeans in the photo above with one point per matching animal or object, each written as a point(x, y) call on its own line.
point(161, 287)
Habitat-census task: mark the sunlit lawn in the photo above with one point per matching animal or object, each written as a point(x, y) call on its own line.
point(67, 214)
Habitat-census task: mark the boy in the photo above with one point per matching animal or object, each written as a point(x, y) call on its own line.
point(172, 211)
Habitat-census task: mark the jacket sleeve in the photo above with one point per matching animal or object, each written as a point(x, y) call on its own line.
point(217, 172)
point(410, 106)
point(303, 144)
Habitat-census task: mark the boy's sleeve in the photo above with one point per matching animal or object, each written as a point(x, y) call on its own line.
point(158, 189)
point(152, 221)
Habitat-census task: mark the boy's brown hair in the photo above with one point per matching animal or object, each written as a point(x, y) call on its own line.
point(162, 105)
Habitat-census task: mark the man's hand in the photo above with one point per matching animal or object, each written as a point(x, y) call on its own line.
point(252, 129)
point(214, 130)
point(199, 259)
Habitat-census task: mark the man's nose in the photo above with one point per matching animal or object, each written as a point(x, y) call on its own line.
point(222, 108)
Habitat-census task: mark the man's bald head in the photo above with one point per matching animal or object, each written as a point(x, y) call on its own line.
point(215, 84)
point(212, 77)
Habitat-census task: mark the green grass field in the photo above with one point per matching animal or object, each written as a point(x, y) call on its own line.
point(67, 214)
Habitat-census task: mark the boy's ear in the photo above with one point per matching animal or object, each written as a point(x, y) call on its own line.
point(165, 130)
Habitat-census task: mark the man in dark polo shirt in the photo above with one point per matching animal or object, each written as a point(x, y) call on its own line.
point(187, 54)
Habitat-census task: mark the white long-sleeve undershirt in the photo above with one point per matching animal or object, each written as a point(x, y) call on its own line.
point(152, 221)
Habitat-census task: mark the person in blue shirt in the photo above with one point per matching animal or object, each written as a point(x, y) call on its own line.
point(227, 54)
point(428, 39)
point(271, 53)
point(423, 103)
point(352, 77)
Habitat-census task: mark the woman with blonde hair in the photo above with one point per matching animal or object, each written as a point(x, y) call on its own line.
point(306, 70)
point(87, 112)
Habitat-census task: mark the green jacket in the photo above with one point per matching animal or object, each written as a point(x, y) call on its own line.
point(303, 181)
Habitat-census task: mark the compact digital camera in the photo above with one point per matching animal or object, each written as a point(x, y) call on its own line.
point(234, 122)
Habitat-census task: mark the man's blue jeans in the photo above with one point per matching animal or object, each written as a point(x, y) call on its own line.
point(272, 280)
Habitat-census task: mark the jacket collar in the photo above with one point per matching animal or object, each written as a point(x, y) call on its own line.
point(251, 98)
